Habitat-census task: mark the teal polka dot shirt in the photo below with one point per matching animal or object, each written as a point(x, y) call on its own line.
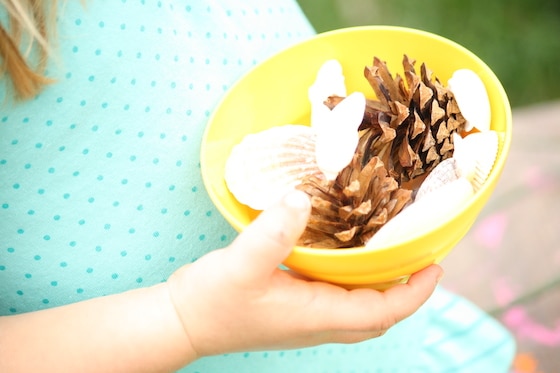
point(100, 185)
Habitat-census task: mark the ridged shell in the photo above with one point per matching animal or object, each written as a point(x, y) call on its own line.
point(444, 173)
point(475, 156)
point(423, 214)
point(472, 98)
point(266, 165)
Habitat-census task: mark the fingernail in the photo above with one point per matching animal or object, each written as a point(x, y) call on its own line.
point(297, 199)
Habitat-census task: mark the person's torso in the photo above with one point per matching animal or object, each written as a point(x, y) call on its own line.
point(100, 188)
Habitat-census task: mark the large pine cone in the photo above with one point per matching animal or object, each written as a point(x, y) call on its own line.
point(405, 133)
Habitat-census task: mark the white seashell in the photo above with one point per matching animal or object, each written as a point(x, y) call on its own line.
point(329, 82)
point(337, 135)
point(424, 214)
point(472, 98)
point(265, 166)
point(475, 155)
point(444, 173)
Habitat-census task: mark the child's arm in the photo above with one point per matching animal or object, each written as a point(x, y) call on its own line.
point(233, 299)
point(136, 331)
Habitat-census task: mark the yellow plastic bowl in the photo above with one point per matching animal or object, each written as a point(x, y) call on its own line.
point(275, 93)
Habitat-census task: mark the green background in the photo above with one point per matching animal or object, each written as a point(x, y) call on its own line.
point(518, 39)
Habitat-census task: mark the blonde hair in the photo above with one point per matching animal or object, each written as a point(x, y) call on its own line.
point(24, 44)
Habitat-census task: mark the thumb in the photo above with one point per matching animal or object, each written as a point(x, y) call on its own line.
point(268, 240)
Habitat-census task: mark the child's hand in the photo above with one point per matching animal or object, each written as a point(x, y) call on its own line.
point(236, 299)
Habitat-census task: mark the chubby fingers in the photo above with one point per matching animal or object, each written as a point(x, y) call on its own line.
point(404, 300)
point(267, 241)
point(367, 312)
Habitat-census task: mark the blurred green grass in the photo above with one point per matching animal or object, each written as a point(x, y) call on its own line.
point(518, 39)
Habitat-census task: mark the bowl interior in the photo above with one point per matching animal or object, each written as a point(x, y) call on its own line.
point(275, 93)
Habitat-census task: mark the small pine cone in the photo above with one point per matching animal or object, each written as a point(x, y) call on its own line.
point(347, 211)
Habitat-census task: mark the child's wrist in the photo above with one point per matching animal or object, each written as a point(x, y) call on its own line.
point(165, 342)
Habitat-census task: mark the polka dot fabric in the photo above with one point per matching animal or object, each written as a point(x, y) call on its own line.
point(100, 187)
